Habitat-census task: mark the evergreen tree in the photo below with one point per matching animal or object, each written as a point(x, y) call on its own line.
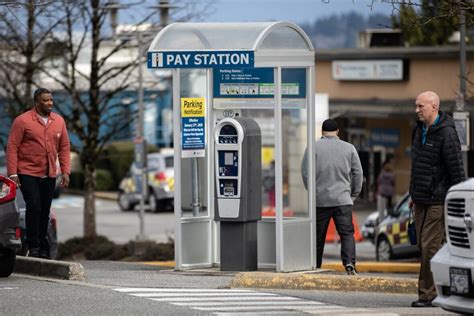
point(430, 22)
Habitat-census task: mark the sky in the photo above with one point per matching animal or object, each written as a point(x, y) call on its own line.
point(297, 11)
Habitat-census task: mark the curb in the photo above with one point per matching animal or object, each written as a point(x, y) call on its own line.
point(107, 195)
point(374, 267)
point(307, 281)
point(380, 267)
point(164, 264)
point(112, 195)
point(50, 268)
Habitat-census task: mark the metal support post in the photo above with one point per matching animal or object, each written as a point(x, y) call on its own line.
point(195, 184)
point(140, 138)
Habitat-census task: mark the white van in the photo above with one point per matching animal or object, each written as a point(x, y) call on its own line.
point(453, 265)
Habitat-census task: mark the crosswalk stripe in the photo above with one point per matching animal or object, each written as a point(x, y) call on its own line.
point(196, 299)
point(247, 303)
point(285, 313)
point(138, 289)
point(234, 302)
point(244, 308)
point(199, 294)
point(352, 312)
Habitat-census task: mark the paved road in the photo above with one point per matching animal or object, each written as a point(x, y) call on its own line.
point(122, 227)
point(118, 226)
point(119, 288)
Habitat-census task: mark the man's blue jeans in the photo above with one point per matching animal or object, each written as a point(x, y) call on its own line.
point(342, 216)
point(38, 194)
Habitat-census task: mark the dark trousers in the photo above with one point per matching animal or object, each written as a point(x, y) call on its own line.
point(38, 194)
point(342, 216)
point(389, 204)
point(429, 222)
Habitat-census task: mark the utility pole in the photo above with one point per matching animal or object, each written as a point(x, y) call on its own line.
point(164, 6)
point(461, 117)
point(140, 144)
point(140, 161)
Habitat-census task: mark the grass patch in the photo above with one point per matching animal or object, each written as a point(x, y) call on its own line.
point(101, 248)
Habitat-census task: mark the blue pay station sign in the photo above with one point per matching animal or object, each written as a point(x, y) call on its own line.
point(200, 59)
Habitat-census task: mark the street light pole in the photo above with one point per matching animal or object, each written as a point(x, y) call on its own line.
point(460, 116)
point(140, 146)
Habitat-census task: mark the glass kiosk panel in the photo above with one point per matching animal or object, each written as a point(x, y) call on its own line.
point(194, 192)
point(295, 196)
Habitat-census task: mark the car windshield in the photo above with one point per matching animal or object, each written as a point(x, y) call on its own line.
point(405, 206)
point(153, 163)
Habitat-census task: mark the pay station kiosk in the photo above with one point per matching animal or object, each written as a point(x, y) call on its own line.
point(264, 71)
point(238, 204)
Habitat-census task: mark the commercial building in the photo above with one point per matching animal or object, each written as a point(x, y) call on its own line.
point(372, 94)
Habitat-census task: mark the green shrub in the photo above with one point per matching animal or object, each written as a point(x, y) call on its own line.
point(159, 252)
point(103, 180)
point(101, 248)
point(117, 158)
point(76, 180)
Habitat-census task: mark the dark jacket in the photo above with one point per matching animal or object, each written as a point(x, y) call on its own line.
point(386, 183)
point(436, 165)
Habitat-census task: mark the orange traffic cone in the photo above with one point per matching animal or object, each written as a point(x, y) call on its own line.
point(270, 211)
point(357, 235)
point(333, 236)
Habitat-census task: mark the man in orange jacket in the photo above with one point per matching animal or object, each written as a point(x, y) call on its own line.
point(38, 138)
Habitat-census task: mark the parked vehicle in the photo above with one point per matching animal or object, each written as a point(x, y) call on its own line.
point(369, 226)
point(391, 234)
point(160, 184)
point(52, 235)
point(9, 226)
point(453, 264)
point(3, 163)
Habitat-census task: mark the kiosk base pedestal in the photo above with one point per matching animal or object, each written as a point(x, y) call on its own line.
point(239, 246)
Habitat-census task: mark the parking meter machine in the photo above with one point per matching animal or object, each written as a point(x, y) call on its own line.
point(238, 204)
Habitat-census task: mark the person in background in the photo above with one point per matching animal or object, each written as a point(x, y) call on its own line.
point(436, 166)
point(37, 139)
point(338, 183)
point(386, 185)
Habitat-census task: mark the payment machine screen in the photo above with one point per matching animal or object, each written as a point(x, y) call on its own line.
point(228, 163)
point(229, 159)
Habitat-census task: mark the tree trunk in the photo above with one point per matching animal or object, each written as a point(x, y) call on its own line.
point(89, 200)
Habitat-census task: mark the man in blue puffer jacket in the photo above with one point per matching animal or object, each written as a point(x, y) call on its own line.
point(436, 166)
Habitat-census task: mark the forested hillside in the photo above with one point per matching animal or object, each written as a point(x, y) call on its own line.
point(340, 31)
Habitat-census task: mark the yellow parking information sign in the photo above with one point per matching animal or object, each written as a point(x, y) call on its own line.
point(193, 107)
point(193, 127)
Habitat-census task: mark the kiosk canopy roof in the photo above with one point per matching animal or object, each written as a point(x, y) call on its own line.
point(232, 36)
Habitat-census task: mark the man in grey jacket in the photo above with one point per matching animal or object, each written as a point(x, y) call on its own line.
point(338, 183)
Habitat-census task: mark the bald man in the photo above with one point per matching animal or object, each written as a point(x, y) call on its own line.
point(436, 166)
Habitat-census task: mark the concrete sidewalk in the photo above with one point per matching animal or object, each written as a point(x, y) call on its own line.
point(388, 279)
point(391, 277)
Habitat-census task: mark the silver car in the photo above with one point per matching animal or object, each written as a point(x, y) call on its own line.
point(160, 184)
point(10, 231)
